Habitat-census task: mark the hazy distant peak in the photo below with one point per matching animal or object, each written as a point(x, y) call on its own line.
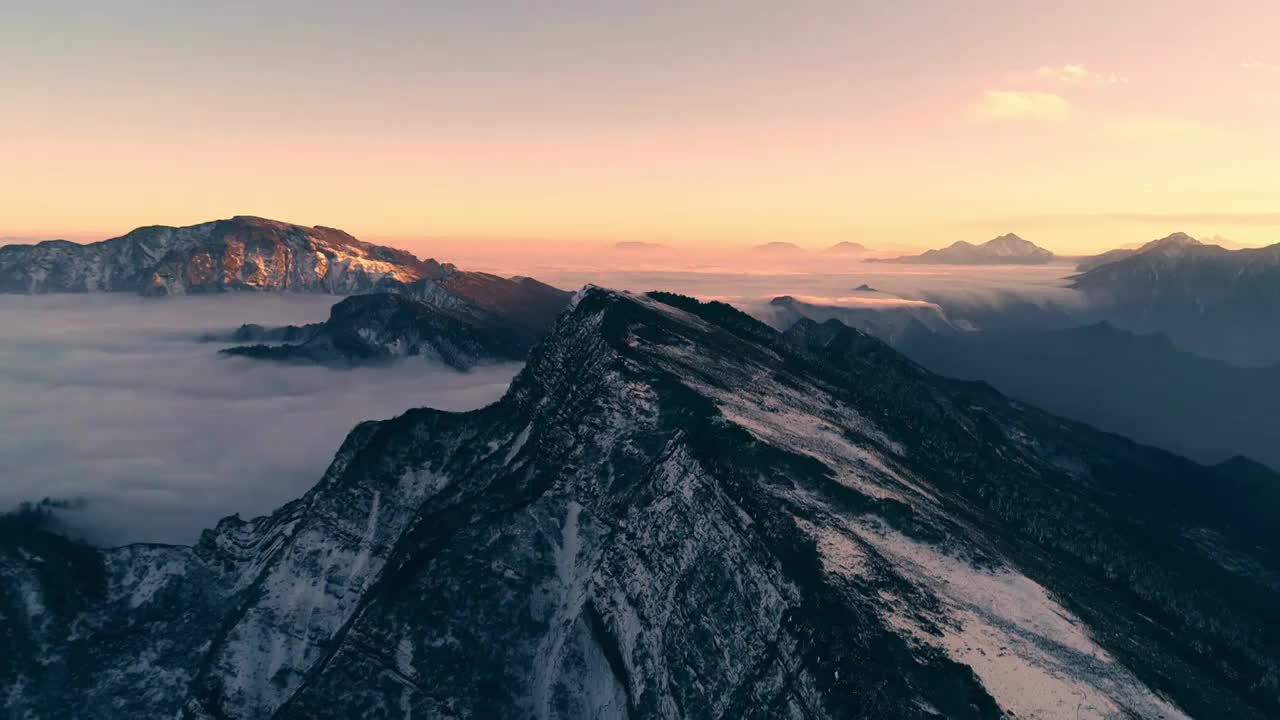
point(846, 248)
point(1010, 244)
point(1007, 249)
point(1176, 241)
point(1175, 244)
point(633, 245)
point(778, 247)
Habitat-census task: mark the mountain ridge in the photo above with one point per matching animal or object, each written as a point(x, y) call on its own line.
point(459, 318)
point(1007, 249)
point(242, 253)
point(1209, 300)
point(676, 510)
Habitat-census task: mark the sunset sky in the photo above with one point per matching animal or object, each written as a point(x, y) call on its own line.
point(1081, 126)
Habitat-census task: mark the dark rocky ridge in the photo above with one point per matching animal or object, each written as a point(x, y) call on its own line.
point(382, 328)
point(678, 512)
point(459, 318)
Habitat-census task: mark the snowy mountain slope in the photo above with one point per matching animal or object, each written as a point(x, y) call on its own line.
point(678, 512)
point(242, 253)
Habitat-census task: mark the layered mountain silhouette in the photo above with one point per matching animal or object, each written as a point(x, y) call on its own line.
point(1207, 299)
point(777, 248)
point(888, 318)
point(242, 253)
point(640, 246)
point(1176, 242)
point(1140, 386)
point(459, 318)
point(846, 248)
point(1008, 249)
point(677, 511)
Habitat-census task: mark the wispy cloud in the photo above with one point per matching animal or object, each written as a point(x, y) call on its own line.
point(1157, 129)
point(1020, 105)
point(1075, 74)
point(1259, 66)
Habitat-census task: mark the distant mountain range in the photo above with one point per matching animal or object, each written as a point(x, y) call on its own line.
point(846, 248)
point(1007, 249)
point(777, 248)
point(1213, 301)
point(1178, 240)
point(242, 253)
point(677, 511)
point(639, 246)
point(895, 324)
point(786, 248)
point(413, 308)
point(1139, 386)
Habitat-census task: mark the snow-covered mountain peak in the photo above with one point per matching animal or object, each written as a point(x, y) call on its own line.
point(240, 253)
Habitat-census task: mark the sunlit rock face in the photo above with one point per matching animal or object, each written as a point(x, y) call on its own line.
point(676, 512)
point(242, 253)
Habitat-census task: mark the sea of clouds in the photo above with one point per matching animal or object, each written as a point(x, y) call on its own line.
point(112, 406)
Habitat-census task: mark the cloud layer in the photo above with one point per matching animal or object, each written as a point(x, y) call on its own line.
point(1075, 74)
point(1020, 104)
point(112, 400)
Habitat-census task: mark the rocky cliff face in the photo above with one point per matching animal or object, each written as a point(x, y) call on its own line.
point(243, 253)
point(678, 512)
point(459, 318)
point(383, 328)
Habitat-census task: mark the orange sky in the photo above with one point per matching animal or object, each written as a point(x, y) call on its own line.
point(509, 125)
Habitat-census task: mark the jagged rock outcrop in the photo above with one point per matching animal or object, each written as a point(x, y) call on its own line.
point(242, 253)
point(678, 512)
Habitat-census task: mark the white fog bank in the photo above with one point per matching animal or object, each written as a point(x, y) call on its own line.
point(113, 401)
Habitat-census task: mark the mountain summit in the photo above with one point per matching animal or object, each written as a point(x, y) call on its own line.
point(1178, 242)
point(242, 253)
point(1007, 249)
point(777, 248)
point(1208, 299)
point(676, 511)
point(846, 248)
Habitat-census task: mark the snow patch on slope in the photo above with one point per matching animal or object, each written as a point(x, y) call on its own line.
point(1034, 657)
